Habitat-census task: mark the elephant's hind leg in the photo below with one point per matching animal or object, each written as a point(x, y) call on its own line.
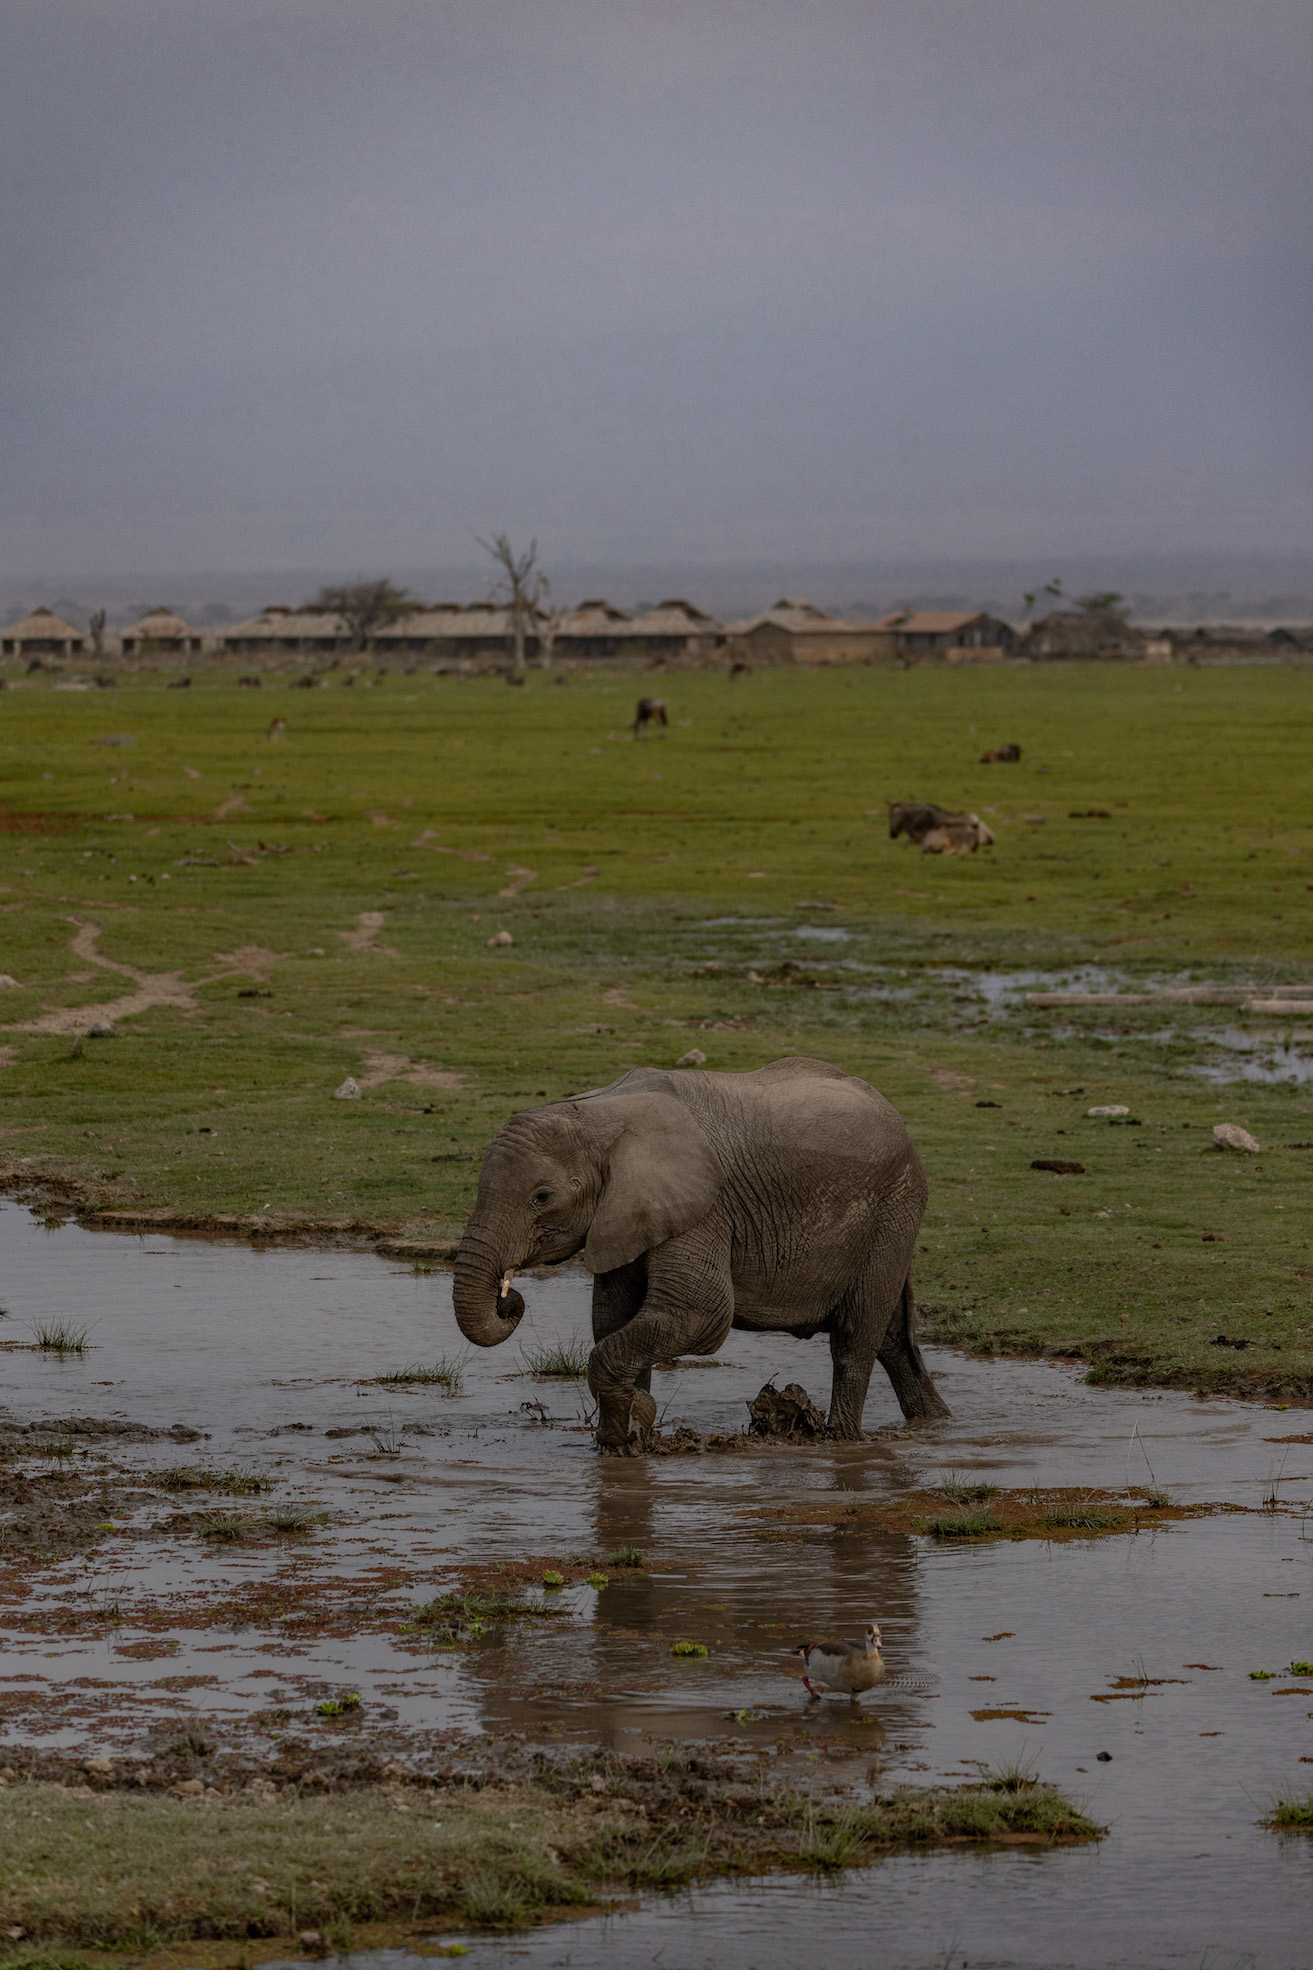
point(902, 1361)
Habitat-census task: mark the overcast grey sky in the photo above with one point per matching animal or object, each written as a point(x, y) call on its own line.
point(343, 282)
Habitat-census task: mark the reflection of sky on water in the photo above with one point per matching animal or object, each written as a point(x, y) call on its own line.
point(274, 1355)
point(1270, 1057)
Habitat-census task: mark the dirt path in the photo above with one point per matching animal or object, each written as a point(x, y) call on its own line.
point(159, 988)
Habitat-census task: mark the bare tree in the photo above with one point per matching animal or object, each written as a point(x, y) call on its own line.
point(549, 618)
point(365, 606)
point(97, 627)
point(521, 586)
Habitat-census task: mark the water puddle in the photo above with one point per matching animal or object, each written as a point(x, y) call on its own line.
point(1269, 1055)
point(266, 1364)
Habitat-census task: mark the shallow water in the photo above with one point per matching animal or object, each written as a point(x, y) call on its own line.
point(267, 1352)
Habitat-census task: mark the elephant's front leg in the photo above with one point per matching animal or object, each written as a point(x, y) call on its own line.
point(686, 1308)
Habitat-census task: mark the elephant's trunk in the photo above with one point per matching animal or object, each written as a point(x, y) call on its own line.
point(488, 1308)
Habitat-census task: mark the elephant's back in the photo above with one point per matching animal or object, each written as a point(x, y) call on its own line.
point(816, 1111)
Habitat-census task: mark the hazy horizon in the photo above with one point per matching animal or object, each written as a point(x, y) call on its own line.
point(306, 285)
point(1233, 588)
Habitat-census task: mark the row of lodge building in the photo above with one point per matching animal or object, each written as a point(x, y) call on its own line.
point(793, 631)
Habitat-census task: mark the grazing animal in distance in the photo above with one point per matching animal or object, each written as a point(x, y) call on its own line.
point(277, 726)
point(1001, 756)
point(651, 711)
point(251, 683)
point(935, 830)
point(847, 1667)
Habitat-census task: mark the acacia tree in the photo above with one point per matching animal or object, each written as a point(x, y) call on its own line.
point(365, 606)
point(521, 586)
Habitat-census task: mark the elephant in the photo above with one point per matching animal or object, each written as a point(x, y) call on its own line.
point(782, 1200)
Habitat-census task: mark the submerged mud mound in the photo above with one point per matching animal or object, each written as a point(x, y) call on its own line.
point(788, 1412)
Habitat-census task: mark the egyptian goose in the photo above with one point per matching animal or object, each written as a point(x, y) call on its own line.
point(849, 1667)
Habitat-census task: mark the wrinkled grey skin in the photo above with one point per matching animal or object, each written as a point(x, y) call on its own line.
point(786, 1200)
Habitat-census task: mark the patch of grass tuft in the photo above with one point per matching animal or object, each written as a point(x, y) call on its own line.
point(627, 1556)
point(464, 1613)
point(1091, 1517)
point(196, 1477)
point(1293, 1811)
point(446, 1373)
point(339, 1706)
point(963, 1490)
point(59, 1337)
point(565, 1361)
point(292, 1518)
point(227, 1528)
point(961, 1525)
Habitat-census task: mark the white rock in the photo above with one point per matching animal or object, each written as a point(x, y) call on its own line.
point(5, 979)
point(502, 938)
point(1113, 1108)
point(1229, 1135)
point(693, 1058)
point(349, 1090)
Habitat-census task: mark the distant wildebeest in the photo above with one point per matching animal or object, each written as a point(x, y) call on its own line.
point(935, 830)
point(1001, 756)
point(740, 669)
point(651, 711)
point(251, 683)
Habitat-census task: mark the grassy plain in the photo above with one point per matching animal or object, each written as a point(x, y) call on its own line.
point(285, 910)
point(109, 1871)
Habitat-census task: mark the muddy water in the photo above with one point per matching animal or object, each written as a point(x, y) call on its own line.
point(152, 1630)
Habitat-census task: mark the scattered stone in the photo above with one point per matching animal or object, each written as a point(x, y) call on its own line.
point(787, 1412)
point(693, 1058)
point(1058, 1167)
point(1103, 1757)
point(6, 980)
point(1229, 1135)
point(1106, 1113)
point(500, 940)
point(349, 1090)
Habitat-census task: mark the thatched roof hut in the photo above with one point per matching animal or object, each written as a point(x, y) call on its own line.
point(957, 635)
point(672, 630)
point(796, 631)
point(163, 630)
point(280, 629)
point(450, 630)
point(594, 629)
point(42, 634)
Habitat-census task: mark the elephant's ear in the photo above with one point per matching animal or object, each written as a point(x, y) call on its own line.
point(659, 1177)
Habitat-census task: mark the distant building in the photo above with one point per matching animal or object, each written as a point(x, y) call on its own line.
point(449, 630)
point(594, 629)
point(278, 630)
point(42, 634)
point(671, 631)
point(1094, 635)
point(161, 630)
point(794, 631)
point(953, 634)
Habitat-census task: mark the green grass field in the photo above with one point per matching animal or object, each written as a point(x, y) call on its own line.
point(270, 914)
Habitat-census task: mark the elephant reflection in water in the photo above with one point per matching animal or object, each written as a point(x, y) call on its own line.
point(708, 1573)
point(784, 1200)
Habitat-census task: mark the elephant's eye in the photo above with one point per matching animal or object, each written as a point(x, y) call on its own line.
point(542, 1196)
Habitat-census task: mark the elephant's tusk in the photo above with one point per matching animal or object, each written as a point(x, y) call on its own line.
point(506, 1283)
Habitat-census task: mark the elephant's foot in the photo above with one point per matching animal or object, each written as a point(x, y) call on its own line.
point(625, 1423)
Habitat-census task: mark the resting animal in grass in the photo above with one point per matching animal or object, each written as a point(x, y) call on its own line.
point(847, 1667)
